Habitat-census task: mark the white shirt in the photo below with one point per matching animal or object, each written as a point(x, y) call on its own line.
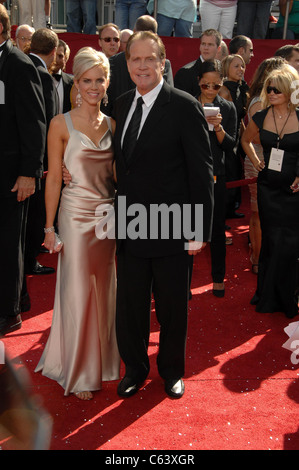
point(0, 46)
point(149, 100)
point(60, 91)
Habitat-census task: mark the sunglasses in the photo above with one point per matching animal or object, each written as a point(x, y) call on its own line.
point(207, 86)
point(272, 88)
point(110, 39)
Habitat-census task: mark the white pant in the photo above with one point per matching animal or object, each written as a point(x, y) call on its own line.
point(32, 12)
point(222, 19)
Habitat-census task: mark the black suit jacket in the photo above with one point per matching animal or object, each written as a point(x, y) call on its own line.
point(50, 96)
point(171, 164)
point(186, 77)
point(22, 119)
point(67, 81)
point(120, 80)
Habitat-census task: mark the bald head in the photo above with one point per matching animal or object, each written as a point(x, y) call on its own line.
point(24, 34)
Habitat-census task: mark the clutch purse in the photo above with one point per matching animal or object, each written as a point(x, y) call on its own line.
point(58, 244)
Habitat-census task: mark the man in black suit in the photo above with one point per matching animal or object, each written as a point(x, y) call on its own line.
point(120, 80)
point(186, 77)
point(22, 135)
point(63, 81)
point(170, 167)
point(43, 48)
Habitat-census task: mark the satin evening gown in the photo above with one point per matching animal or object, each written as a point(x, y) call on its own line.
point(279, 215)
point(81, 351)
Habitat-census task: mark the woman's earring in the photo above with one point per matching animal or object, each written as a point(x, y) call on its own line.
point(78, 99)
point(105, 100)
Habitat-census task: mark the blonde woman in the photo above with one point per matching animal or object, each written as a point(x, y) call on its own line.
point(277, 125)
point(81, 350)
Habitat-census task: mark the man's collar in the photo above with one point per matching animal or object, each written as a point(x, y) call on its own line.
point(150, 97)
point(42, 60)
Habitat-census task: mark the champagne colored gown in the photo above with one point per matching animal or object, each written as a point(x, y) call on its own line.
point(81, 350)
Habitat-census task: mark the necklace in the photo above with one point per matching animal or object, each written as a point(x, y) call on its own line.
point(280, 133)
point(280, 117)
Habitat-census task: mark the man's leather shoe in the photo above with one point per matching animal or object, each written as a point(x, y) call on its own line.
point(128, 387)
point(9, 324)
point(39, 269)
point(174, 388)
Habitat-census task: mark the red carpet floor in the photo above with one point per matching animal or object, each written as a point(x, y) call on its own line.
point(242, 390)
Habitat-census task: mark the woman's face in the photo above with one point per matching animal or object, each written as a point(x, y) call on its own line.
point(236, 70)
point(210, 84)
point(276, 98)
point(92, 85)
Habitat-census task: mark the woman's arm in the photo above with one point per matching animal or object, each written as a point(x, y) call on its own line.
point(247, 138)
point(56, 145)
point(254, 109)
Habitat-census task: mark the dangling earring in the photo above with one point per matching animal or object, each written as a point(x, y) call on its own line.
point(105, 100)
point(78, 99)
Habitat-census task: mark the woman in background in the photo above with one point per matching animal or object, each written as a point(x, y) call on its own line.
point(222, 139)
point(254, 105)
point(278, 191)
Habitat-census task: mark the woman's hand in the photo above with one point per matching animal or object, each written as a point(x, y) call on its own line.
point(49, 241)
point(295, 185)
point(214, 120)
point(259, 165)
point(66, 176)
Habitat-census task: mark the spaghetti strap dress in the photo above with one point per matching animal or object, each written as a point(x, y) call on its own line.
point(81, 350)
point(279, 215)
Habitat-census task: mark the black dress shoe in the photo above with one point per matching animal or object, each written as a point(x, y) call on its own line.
point(128, 387)
point(218, 292)
point(9, 324)
point(174, 388)
point(39, 269)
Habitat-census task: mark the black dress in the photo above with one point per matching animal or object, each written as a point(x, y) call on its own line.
point(279, 216)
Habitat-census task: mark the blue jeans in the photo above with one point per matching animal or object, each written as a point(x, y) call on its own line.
point(81, 14)
point(127, 12)
point(253, 19)
point(181, 28)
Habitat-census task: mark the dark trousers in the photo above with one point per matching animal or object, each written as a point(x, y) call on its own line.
point(217, 245)
point(167, 277)
point(12, 242)
point(35, 226)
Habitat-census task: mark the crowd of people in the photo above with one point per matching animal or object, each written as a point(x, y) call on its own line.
point(103, 146)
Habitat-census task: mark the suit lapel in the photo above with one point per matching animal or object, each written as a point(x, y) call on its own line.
point(6, 51)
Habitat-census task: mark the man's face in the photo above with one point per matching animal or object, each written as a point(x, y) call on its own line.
point(294, 60)
point(208, 47)
point(247, 52)
point(60, 59)
point(23, 38)
point(144, 65)
point(109, 41)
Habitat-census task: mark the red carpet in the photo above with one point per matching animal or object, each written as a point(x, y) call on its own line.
point(242, 390)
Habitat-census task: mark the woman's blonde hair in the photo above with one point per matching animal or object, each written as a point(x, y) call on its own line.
point(226, 62)
point(286, 80)
point(87, 58)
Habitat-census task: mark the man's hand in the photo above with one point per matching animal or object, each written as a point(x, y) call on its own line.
point(66, 176)
point(195, 247)
point(24, 186)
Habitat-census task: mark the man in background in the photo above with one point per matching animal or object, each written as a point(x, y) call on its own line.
point(23, 136)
